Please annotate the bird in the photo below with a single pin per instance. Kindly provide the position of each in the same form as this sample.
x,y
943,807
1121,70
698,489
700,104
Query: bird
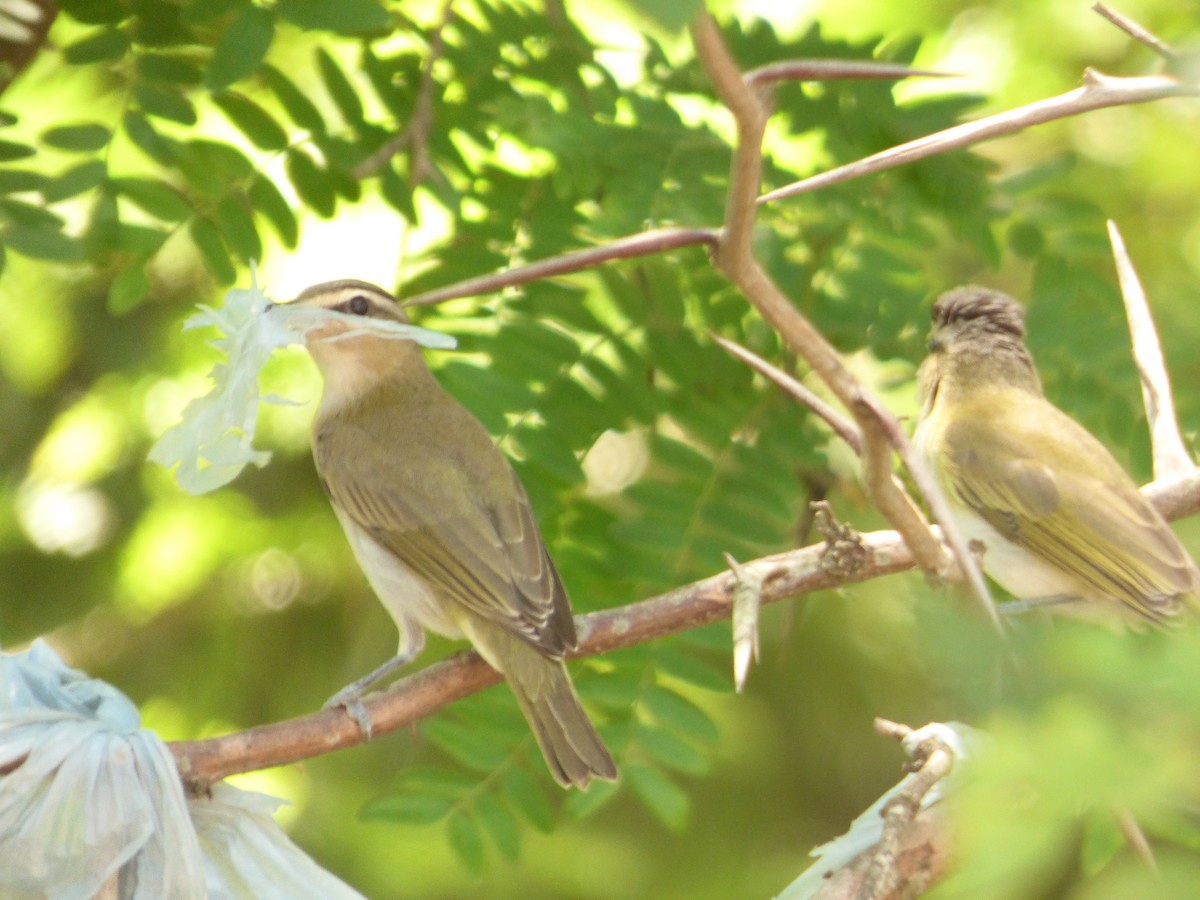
x,y
1060,523
440,523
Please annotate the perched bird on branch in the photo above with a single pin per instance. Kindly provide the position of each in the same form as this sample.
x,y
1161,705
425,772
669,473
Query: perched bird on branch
x,y
1060,522
441,525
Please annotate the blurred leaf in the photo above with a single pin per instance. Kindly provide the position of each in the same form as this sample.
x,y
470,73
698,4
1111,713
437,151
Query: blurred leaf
x,y
500,825
679,664
128,290
10,150
266,199
147,139
671,752
101,46
15,181
94,12
84,138
201,11
676,711
311,183
74,181
302,110
241,48
344,17
207,239
465,744
524,793
674,16
669,802
237,227
343,93
168,69
165,104
154,197
252,120
42,242
408,808
466,841
28,215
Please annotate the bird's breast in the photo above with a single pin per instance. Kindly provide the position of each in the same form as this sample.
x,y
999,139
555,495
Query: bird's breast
x,y
405,595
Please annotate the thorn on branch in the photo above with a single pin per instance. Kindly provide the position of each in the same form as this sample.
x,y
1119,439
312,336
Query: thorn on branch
x,y
747,598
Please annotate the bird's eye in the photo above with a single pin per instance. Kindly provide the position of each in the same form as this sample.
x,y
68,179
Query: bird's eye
x,y
358,305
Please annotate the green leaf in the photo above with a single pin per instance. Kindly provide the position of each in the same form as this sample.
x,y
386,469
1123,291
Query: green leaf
x,y
397,193
101,46
237,227
480,752
252,120
500,824
241,48
11,150
28,215
207,239
165,103
343,93
84,177
344,16
128,290
409,807
94,12
266,199
676,711
17,181
148,140
664,798
311,183
685,667
302,110
197,12
671,752
212,166
155,197
169,70
672,15
42,243
524,793
85,138
466,841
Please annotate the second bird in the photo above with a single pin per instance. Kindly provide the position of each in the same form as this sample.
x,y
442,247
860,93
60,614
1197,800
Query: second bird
x,y
1061,522
440,523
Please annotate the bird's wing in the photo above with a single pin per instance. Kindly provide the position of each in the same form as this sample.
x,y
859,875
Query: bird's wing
x,y
490,559
1095,525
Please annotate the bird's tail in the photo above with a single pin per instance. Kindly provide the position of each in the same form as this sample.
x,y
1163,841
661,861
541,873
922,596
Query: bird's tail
x,y
569,742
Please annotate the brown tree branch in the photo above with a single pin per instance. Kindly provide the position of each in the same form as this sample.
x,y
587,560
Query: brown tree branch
x,y
647,243
735,258
1099,91
423,693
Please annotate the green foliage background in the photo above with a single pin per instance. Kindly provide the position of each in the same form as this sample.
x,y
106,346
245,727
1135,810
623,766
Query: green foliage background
x,y
153,149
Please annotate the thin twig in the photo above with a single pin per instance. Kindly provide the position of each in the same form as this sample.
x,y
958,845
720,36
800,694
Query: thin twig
x,y
834,70
841,425
1170,453
1138,32
1098,92
646,243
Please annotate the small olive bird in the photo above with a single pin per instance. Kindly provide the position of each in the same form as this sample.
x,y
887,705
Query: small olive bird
x,y
1061,523
440,523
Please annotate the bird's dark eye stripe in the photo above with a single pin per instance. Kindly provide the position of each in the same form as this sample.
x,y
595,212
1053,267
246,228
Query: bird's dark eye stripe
x,y
358,305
